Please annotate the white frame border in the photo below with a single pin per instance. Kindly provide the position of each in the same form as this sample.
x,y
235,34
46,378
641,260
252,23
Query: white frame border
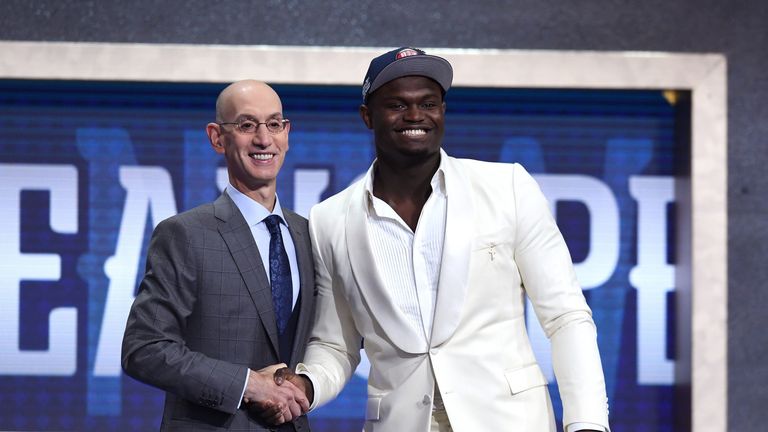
x,y
703,74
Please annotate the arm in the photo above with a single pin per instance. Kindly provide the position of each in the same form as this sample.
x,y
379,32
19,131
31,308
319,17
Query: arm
x,y
550,282
154,349
333,351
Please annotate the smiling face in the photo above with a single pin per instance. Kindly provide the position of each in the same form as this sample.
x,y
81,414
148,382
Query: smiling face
x,y
253,160
407,118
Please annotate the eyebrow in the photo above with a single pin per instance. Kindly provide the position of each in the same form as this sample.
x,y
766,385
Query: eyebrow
x,y
276,114
389,99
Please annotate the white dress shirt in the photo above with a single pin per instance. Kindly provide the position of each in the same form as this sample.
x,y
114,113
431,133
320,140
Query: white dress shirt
x,y
408,262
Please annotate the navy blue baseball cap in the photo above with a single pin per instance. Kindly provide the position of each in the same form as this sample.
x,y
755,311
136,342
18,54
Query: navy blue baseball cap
x,y
406,61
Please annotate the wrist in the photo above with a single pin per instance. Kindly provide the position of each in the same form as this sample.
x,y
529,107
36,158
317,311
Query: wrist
x,y
309,389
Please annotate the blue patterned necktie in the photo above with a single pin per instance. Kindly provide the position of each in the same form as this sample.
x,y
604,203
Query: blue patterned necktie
x,y
279,273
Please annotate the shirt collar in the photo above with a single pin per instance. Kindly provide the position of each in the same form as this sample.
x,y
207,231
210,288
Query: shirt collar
x,y
253,212
437,182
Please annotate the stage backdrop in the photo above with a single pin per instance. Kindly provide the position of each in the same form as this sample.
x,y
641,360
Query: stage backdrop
x,y
88,169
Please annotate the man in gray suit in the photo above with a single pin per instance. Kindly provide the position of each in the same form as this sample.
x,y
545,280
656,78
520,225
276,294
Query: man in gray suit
x,y
228,293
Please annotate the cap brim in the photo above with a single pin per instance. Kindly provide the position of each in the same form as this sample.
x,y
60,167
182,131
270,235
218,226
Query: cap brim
x,y
436,68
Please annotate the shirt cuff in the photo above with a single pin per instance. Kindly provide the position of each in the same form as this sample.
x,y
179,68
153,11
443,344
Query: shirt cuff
x,y
573,427
247,376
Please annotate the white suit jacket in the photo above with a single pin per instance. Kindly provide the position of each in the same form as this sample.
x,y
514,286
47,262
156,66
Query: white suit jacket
x,y
501,244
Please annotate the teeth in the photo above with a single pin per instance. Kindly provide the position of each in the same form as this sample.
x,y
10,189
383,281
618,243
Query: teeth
x,y
262,156
414,132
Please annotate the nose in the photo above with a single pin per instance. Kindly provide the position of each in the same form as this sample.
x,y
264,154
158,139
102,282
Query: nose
x,y
413,113
261,137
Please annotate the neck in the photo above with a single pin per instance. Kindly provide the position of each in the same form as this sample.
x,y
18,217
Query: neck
x,y
405,175
402,183
264,194
405,188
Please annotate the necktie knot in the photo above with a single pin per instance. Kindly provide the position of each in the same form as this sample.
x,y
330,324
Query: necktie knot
x,y
273,224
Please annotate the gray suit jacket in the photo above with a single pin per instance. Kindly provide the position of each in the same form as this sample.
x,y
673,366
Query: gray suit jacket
x,y
203,316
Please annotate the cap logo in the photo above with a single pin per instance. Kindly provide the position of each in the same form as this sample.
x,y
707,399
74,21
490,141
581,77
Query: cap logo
x,y
406,53
366,85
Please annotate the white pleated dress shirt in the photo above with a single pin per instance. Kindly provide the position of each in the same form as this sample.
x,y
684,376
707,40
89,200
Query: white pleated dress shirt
x,y
408,262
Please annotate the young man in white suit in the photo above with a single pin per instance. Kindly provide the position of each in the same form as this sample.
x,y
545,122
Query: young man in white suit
x,y
428,259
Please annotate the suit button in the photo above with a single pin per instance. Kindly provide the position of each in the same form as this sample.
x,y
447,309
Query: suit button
x,y
433,351
426,400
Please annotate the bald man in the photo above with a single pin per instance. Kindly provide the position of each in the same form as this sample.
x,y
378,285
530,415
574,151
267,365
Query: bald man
x,y
228,292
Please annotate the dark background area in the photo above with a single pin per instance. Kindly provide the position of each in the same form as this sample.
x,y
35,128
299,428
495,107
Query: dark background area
x,y
735,28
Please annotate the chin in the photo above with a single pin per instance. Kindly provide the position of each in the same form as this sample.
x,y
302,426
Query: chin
x,y
421,151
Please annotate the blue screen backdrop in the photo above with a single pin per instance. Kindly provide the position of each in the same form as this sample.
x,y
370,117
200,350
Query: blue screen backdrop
x,y
88,168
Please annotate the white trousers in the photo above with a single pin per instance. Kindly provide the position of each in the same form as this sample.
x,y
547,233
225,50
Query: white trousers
x,y
439,422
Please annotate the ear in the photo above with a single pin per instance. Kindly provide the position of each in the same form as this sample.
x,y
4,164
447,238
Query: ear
x,y
365,114
213,131
287,131
444,107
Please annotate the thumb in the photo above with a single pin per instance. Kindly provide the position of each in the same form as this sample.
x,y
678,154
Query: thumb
x,y
281,375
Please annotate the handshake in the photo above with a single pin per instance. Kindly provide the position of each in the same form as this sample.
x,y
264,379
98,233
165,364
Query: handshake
x,y
277,395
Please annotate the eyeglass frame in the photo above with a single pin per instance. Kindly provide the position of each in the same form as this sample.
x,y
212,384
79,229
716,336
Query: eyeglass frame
x,y
283,123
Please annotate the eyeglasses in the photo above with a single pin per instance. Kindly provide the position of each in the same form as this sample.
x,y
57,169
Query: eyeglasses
x,y
274,126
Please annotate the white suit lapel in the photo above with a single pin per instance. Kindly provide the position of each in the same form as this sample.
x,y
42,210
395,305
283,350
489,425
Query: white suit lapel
x,y
457,245
385,312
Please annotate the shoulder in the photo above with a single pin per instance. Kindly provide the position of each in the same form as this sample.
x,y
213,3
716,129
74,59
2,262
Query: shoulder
x,y
495,183
330,219
294,219
191,221
337,204
483,172
482,168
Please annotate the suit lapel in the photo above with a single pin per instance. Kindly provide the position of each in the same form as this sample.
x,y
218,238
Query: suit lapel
x,y
239,239
457,245
385,312
300,235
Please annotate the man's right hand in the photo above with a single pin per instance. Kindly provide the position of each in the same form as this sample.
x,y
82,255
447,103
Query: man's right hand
x,y
275,404
286,375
